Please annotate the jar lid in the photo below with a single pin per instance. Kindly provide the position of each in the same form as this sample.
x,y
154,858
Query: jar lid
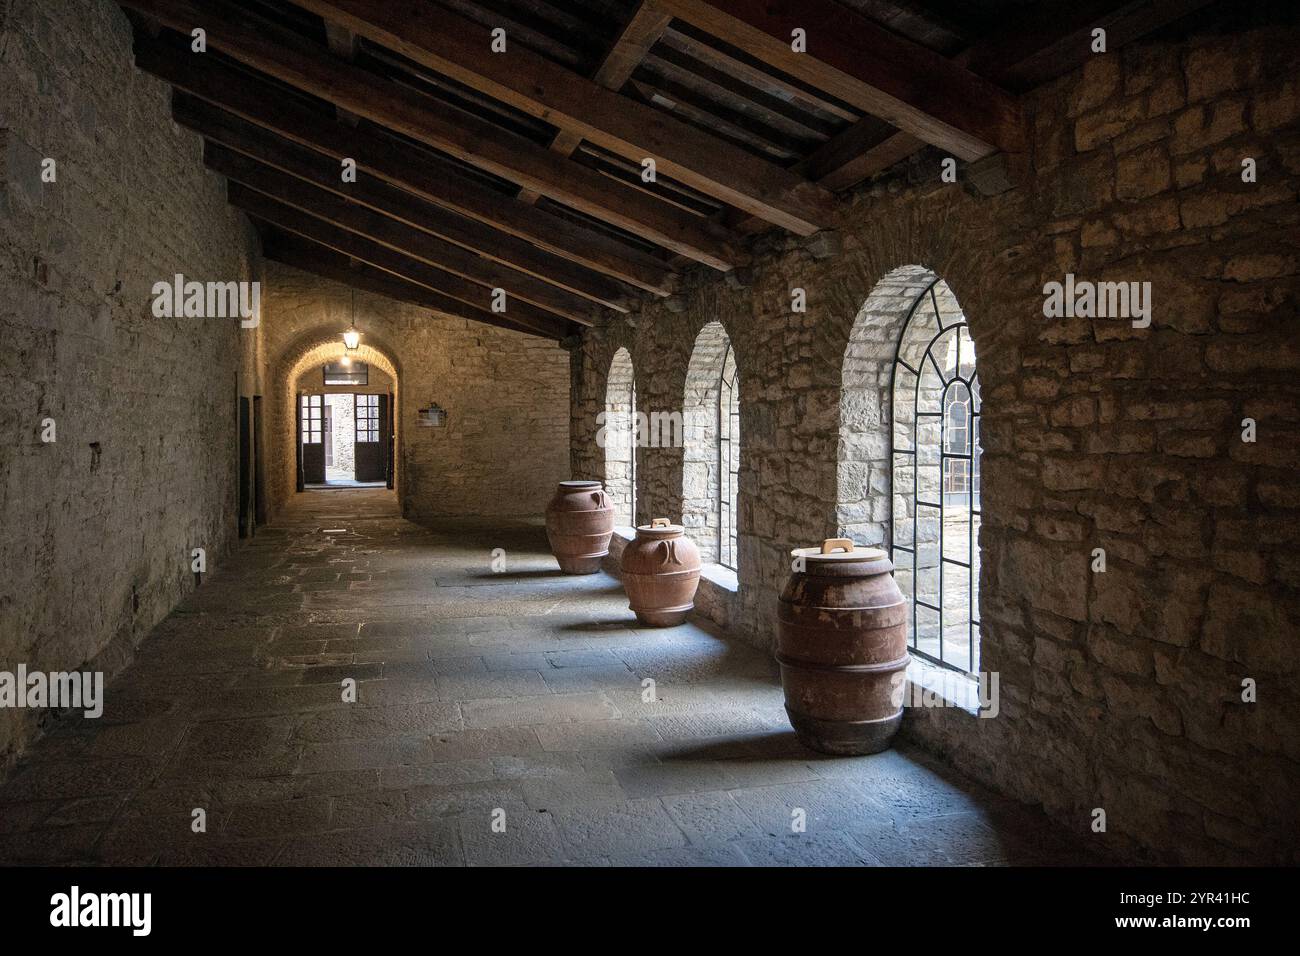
x,y
660,528
838,549
579,484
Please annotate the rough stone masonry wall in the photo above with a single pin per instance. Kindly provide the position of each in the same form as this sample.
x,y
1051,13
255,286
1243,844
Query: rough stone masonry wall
x,y
96,528
506,396
1119,690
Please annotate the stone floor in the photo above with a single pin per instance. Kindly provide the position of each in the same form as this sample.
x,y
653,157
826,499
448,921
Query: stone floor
x,y
513,696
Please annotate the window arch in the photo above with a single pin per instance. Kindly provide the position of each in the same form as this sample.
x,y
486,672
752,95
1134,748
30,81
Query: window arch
x,y
711,452
935,477
620,437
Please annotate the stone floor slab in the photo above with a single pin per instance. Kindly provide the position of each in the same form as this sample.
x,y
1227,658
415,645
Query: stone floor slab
x,y
522,694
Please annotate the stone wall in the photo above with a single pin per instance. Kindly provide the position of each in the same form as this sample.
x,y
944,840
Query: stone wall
x,y
1120,690
505,393
98,525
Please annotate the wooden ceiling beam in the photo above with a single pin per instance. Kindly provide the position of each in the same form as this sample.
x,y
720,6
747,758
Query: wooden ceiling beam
x,y
472,299
409,167
1044,45
1050,41
299,253
218,126
458,133
461,49
864,149
641,33
484,274
856,60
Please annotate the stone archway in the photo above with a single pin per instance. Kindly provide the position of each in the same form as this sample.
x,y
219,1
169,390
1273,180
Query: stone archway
x,y
313,350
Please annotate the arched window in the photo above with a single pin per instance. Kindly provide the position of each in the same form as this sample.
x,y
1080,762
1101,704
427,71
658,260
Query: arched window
x,y
936,478
711,452
620,438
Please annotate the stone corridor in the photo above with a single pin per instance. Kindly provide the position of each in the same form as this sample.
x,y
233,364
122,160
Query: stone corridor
x,y
478,691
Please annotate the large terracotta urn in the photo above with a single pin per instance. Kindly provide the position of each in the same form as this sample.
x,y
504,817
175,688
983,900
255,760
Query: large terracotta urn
x,y
842,646
661,570
579,524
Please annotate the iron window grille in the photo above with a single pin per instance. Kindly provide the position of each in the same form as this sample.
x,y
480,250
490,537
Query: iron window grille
x,y
728,458
632,438
944,433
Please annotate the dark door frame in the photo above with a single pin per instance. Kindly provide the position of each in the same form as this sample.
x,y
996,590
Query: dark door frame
x,y
297,417
245,419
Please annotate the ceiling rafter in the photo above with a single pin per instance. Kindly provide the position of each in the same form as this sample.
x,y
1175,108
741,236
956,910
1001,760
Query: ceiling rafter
x,y
309,256
1046,44
456,132
218,126
400,164
919,91
270,209
641,32
399,236
461,49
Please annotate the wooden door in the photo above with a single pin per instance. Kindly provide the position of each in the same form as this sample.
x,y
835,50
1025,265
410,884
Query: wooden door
x,y
371,455
259,468
311,445
390,436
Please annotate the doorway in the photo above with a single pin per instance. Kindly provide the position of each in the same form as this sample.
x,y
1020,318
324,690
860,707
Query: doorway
x,y
345,438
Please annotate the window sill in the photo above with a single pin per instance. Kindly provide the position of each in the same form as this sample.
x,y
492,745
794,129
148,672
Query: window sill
x,y
954,689
721,577
626,532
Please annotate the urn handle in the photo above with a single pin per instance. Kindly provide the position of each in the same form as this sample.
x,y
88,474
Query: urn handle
x,y
659,522
599,498
668,553
837,544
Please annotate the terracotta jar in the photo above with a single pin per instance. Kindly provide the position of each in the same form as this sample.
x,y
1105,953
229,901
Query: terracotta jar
x,y
842,646
579,523
661,570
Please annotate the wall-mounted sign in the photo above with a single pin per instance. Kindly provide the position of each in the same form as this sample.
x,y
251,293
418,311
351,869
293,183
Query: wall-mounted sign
x,y
434,416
